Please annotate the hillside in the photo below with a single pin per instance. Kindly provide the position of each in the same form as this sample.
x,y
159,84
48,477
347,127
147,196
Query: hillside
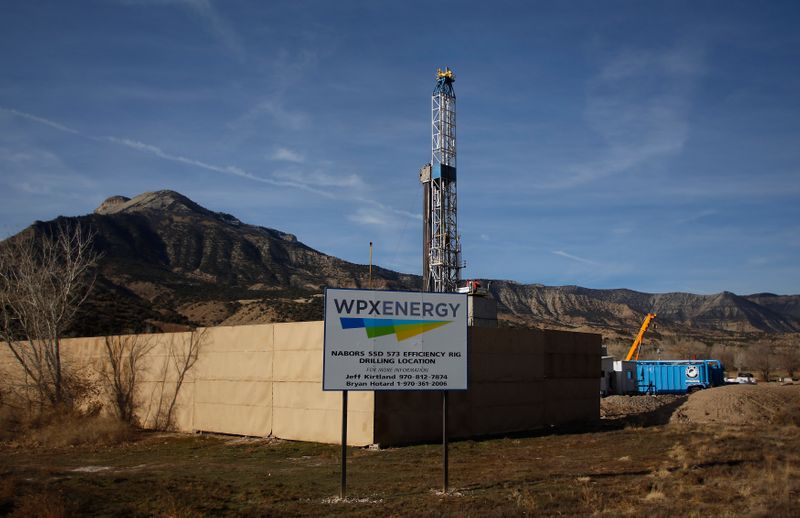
x,y
170,263
624,309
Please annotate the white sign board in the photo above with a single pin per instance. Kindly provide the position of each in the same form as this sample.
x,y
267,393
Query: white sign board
x,y
393,340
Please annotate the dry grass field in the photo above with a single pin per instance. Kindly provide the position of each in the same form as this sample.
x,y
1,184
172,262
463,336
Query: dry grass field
x,y
625,466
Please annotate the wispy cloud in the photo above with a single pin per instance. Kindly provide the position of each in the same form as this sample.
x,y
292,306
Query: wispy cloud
x,y
160,153
41,120
763,184
390,210
319,179
276,110
622,230
760,261
216,24
31,157
227,169
573,257
142,92
317,182
370,216
372,212
638,104
38,171
283,154
54,183
697,216
219,26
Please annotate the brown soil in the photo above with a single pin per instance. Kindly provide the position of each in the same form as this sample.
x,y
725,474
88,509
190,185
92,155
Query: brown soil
x,y
613,407
741,405
207,313
147,290
251,312
729,405
635,471
640,410
703,464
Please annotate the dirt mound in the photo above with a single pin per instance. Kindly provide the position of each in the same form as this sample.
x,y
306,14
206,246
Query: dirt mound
x,y
742,405
642,410
613,407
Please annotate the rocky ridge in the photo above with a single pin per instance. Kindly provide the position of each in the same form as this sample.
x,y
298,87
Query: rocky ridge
x,y
170,263
624,308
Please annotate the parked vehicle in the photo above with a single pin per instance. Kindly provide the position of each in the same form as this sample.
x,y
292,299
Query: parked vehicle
x,y
743,378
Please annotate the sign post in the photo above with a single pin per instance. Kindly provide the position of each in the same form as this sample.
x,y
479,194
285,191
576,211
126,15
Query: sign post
x,y
394,340
343,485
445,460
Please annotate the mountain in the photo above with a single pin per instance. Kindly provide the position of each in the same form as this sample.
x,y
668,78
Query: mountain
x,y
624,309
168,234
168,263
788,305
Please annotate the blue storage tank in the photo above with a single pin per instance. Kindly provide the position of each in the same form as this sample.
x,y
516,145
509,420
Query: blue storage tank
x,y
677,376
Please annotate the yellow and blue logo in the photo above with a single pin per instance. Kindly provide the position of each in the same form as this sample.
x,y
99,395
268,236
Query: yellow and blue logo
x,y
402,329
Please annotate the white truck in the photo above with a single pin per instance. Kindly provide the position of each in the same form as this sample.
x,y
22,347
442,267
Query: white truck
x,y
743,378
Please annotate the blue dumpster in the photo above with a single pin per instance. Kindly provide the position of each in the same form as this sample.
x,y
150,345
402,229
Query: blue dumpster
x,y
677,376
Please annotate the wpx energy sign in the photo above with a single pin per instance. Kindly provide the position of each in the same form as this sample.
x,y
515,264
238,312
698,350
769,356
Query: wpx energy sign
x,y
392,340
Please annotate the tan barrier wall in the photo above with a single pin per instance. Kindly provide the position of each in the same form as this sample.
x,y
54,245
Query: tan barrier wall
x,y
303,411
267,380
519,380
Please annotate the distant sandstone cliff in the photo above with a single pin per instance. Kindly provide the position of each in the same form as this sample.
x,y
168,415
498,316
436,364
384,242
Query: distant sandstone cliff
x,y
624,308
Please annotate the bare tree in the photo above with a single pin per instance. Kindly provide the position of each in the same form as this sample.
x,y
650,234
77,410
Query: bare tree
x,y
789,359
761,358
724,354
687,348
44,278
181,356
121,371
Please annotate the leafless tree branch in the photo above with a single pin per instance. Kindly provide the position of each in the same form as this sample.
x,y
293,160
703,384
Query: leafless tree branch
x,y
182,355
43,281
121,372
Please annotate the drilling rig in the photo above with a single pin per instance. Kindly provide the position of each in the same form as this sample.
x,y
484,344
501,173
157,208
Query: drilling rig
x,y
441,243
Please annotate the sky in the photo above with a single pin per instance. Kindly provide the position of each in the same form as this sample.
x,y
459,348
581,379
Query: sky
x,y
645,145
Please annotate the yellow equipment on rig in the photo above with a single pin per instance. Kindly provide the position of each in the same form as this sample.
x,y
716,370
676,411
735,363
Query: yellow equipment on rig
x,y
636,343
446,73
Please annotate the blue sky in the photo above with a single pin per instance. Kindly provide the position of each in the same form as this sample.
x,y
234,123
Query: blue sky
x,y
646,145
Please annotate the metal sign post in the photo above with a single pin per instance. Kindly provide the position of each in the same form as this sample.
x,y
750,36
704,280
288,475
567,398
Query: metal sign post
x,y
343,487
445,460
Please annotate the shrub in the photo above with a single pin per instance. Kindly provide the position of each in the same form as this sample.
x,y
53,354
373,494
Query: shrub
x,y
61,428
42,505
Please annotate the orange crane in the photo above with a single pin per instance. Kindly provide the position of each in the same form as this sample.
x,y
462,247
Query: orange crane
x,y
636,343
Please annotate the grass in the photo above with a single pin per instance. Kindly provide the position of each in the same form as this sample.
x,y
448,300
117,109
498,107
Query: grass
x,y
59,429
656,470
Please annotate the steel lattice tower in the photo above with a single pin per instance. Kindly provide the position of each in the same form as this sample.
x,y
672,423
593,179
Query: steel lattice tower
x,y
441,262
